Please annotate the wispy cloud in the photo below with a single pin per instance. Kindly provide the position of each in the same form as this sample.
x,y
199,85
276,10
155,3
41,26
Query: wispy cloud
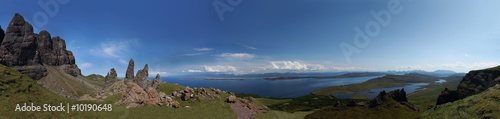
x,y
194,54
237,56
248,47
203,49
153,73
113,48
192,70
121,61
86,65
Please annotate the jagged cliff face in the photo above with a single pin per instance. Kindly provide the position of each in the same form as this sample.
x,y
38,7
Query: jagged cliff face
x,y
2,34
478,81
473,83
28,52
43,58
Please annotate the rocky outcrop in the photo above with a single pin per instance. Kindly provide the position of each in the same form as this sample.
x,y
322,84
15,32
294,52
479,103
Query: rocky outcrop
x,y
385,98
142,78
447,96
136,96
111,78
473,83
246,108
28,52
130,70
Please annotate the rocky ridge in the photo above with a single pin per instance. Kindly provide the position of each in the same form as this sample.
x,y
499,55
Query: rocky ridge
x,y
473,83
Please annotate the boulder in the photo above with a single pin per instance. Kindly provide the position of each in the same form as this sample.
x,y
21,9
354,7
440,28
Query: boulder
x,y
231,99
186,96
218,91
175,104
188,90
174,93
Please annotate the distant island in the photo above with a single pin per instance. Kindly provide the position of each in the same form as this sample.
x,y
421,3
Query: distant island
x,y
347,75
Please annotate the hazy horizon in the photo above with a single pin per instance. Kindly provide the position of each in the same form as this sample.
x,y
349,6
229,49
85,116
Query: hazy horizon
x,y
184,37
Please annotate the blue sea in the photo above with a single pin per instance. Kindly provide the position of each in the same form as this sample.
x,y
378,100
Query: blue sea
x,y
281,88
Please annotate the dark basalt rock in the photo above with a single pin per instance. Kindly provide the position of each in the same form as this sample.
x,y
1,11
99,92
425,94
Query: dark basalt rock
x,y
142,79
473,83
130,70
447,96
111,77
19,47
396,95
28,52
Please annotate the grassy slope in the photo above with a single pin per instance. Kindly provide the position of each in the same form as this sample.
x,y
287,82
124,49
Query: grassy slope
x,y
423,99
387,81
59,81
393,111
483,105
17,88
96,79
308,103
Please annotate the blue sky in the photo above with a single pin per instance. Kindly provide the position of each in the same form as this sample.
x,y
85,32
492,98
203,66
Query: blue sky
x,y
177,37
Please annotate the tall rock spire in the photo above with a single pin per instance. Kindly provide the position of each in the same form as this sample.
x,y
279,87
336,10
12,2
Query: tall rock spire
x,y
130,70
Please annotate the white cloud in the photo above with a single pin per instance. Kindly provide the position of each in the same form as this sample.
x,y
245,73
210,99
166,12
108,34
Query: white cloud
x,y
123,61
86,65
191,70
237,56
203,49
220,68
289,65
112,48
157,72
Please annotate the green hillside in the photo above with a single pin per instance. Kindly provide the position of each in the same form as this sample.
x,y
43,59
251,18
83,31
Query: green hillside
x,y
387,81
485,105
